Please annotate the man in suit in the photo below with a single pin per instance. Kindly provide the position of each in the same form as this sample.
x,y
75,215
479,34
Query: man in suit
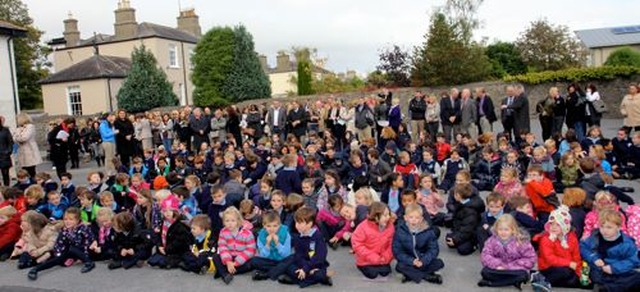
x,y
507,111
450,114
469,114
516,108
417,108
486,111
277,119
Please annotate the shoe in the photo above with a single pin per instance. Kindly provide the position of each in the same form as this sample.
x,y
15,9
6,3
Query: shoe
x,y
518,285
484,283
4,257
536,277
33,275
334,245
114,265
541,286
405,279
599,288
434,278
183,266
327,281
227,278
284,279
87,267
627,189
128,264
259,276
22,266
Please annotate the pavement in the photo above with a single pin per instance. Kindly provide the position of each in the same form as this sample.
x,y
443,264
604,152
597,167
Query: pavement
x,y
459,273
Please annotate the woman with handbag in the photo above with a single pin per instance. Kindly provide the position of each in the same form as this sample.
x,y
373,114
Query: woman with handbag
x,y
595,107
576,110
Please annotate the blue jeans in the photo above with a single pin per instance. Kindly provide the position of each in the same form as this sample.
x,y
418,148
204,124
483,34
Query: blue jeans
x,y
579,127
167,143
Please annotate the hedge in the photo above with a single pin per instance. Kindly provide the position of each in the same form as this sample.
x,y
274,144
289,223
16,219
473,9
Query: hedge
x,y
575,75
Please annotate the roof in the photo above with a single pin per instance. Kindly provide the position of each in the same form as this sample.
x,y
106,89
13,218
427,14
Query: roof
x,y
293,67
145,30
96,67
10,29
610,36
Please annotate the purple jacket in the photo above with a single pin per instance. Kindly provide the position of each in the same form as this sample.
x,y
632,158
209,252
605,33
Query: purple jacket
x,y
512,256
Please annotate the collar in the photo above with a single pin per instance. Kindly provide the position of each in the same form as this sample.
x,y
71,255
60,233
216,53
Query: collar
x,y
312,231
495,216
465,201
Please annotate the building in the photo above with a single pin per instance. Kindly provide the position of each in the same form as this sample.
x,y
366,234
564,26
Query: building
x,y
601,42
8,80
284,72
87,73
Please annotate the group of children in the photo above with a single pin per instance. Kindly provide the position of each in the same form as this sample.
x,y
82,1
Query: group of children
x,y
276,210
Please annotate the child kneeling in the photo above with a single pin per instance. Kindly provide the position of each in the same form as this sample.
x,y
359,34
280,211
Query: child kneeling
x,y
415,247
274,249
371,243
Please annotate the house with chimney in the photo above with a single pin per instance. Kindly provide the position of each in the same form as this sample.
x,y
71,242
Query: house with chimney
x,y
285,71
88,72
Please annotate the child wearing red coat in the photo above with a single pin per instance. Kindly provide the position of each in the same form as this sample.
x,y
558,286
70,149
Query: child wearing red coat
x,y
10,231
559,251
371,242
540,191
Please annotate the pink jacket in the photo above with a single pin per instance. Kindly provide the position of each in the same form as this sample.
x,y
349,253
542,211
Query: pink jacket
x,y
511,190
433,202
332,219
372,246
512,256
591,223
633,222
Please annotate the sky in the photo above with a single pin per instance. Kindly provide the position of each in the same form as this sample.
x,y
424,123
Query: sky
x,y
348,33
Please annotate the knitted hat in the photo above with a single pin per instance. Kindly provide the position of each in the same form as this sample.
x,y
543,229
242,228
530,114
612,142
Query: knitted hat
x,y
160,182
562,217
170,203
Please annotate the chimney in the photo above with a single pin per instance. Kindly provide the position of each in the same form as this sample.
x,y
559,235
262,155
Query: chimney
x,y
263,63
284,64
190,22
126,26
71,33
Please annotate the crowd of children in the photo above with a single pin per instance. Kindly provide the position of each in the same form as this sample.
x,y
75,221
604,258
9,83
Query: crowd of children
x,y
276,209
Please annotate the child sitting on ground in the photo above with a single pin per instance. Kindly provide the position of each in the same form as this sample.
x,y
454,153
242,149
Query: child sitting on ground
x,y
495,209
200,260
466,220
574,198
236,247
175,238
371,243
523,213
509,185
330,222
604,201
132,243
103,247
55,207
274,249
38,239
430,198
541,193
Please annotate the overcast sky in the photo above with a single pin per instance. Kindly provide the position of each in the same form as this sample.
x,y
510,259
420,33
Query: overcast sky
x,y
347,32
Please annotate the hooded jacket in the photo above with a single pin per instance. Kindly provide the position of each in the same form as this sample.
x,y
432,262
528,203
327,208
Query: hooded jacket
x,y
372,246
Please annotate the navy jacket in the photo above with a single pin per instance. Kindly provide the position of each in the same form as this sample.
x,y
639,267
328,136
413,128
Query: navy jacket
x,y
408,245
288,181
310,251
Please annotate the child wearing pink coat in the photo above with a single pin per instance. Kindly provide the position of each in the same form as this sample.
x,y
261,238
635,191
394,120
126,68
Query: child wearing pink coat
x,y
371,242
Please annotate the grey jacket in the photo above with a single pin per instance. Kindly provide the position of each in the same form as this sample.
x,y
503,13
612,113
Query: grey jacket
x,y
469,112
218,128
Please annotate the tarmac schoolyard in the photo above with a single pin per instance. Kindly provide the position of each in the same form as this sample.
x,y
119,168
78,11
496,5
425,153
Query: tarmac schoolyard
x,y
459,274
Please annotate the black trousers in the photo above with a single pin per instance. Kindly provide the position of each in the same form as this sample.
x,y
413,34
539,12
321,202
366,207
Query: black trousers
x,y
310,279
465,248
6,179
72,253
558,122
221,269
417,274
372,272
561,277
272,268
7,249
130,260
329,231
432,129
502,278
629,281
629,129
61,167
546,123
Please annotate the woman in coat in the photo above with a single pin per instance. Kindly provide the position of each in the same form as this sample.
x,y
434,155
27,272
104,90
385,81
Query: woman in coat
x,y
28,152
124,138
576,110
630,109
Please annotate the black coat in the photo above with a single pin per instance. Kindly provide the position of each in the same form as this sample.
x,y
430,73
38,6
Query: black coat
x,y
297,115
448,110
139,240
6,147
179,241
466,220
487,108
575,108
59,150
233,127
124,146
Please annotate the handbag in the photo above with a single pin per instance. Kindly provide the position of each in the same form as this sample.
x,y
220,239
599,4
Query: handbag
x,y
599,106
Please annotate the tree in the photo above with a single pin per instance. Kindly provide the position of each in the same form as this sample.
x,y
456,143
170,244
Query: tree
x,y
213,62
377,79
146,86
30,55
305,71
505,59
331,83
545,46
247,79
462,15
625,56
394,62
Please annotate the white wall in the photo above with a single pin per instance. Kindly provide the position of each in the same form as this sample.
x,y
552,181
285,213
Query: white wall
x,y
7,108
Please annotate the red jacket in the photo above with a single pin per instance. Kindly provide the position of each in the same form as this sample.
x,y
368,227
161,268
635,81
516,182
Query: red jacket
x,y
537,191
10,231
443,151
552,254
372,246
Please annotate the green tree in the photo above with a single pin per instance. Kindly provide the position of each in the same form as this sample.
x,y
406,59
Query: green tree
x,y
377,79
394,62
213,62
246,80
305,71
545,46
331,83
30,55
146,86
505,59
625,56
463,17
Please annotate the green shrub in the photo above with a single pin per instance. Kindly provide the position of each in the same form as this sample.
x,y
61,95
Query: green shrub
x,y
575,75
625,56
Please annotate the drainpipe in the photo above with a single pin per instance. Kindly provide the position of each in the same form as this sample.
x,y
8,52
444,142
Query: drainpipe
x,y
14,83
109,92
184,75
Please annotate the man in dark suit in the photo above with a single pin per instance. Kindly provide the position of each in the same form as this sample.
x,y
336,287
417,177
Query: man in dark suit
x,y
507,112
450,114
486,111
515,109
276,119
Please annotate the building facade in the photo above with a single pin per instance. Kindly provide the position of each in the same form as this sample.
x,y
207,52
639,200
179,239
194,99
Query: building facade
x,y
8,80
601,42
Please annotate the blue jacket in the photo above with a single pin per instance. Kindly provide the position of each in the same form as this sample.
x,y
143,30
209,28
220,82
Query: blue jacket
x,y
143,171
288,181
106,132
56,212
310,251
622,258
273,252
408,245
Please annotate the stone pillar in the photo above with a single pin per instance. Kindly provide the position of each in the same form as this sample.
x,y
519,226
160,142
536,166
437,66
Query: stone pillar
x,y
71,33
190,22
125,26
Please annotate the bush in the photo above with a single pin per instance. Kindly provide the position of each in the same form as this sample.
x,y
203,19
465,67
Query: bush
x,y
575,75
626,56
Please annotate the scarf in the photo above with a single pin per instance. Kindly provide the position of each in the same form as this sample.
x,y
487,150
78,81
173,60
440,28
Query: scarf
x,y
103,233
165,229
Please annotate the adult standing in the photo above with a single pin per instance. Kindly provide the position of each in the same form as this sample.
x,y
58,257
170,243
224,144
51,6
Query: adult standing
x,y
364,120
576,110
507,112
233,124
6,148
108,135
469,114
432,117
395,115
486,111
630,109
339,125
559,111
74,146
183,129
277,119
58,139
124,137
25,135
254,123
142,133
450,114
521,107
297,119
166,131
218,127
592,116
417,109
386,96
200,128
544,109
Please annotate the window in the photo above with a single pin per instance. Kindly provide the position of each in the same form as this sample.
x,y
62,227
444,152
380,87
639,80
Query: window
x,y
173,56
75,100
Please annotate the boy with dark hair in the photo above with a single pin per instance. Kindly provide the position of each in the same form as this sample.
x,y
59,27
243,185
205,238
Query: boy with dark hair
x,y
67,189
466,219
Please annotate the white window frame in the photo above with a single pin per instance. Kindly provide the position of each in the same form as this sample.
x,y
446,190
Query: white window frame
x,y
73,91
173,51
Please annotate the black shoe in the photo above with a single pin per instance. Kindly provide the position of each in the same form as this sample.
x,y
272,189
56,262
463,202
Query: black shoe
x,y
227,278
433,278
87,267
22,266
334,245
599,288
4,257
519,285
327,281
284,279
128,264
484,283
183,266
259,276
405,279
114,265
33,274
627,189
